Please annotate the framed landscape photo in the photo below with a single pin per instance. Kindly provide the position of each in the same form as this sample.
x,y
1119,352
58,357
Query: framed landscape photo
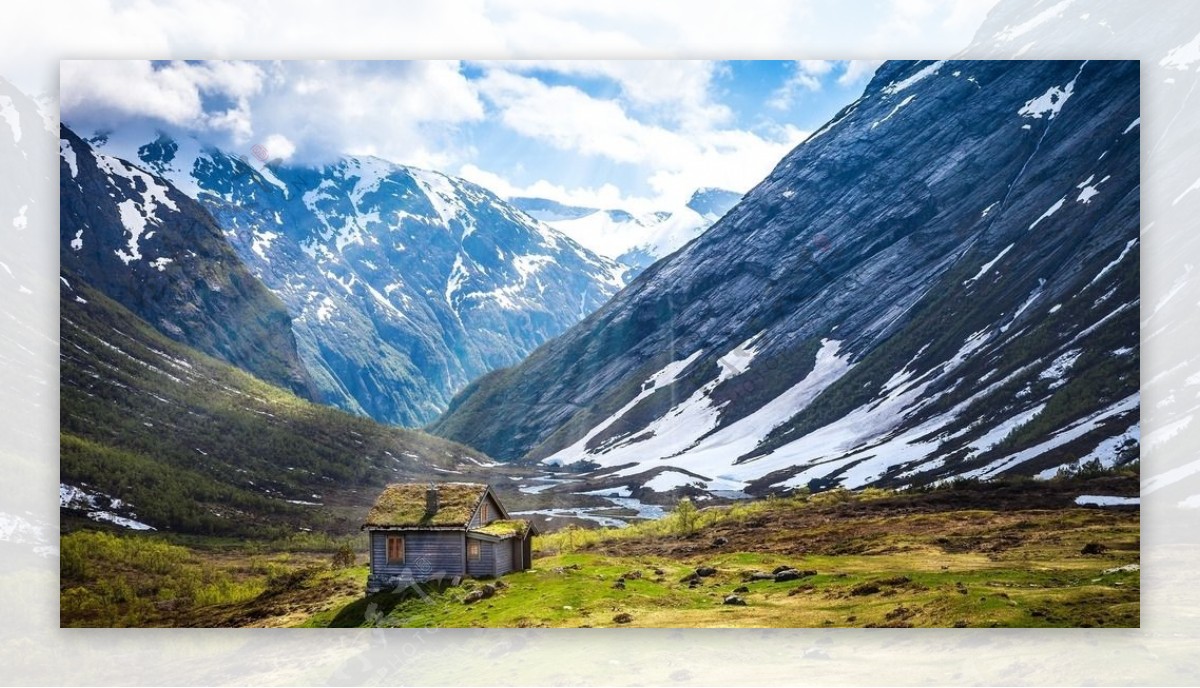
x,y
810,343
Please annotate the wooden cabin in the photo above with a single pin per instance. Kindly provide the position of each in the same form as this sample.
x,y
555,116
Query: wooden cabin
x,y
430,531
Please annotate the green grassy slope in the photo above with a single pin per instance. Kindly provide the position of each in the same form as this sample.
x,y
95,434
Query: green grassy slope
x,y
971,555
195,445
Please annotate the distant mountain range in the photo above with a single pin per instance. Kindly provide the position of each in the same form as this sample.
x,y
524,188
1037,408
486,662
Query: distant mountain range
x,y
940,282
401,284
634,241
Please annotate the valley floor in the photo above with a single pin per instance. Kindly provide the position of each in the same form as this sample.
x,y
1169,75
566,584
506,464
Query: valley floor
x,y
979,556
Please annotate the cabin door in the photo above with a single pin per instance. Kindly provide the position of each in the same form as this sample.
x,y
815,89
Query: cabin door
x,y
518,555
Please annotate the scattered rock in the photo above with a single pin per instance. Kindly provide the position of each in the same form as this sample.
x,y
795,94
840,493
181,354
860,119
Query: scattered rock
x,y
792,574
473,597
1093,548
623,618
695,582
864,589
735,600
1040,612
781,567
692,577
705,571
898,613
500,585
720,541
757,575
659,572
741,588
896,580
620,584
633,575
488,590
961,623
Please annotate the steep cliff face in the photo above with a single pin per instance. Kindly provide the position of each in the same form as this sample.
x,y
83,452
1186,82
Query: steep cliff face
x,y
403,284
136,238
941,281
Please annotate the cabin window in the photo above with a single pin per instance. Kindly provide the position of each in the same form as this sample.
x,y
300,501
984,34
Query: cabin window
x,y
473,550
484,513
395,549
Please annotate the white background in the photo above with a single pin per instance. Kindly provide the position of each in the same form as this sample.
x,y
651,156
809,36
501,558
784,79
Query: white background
x,y
1165,36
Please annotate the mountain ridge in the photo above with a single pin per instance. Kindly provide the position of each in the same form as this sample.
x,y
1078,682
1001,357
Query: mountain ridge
x,y
402,284
838,324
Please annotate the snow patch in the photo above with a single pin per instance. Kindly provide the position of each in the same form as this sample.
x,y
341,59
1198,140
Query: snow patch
x,y
1089,189
1106,500
897,86
669,480
896,109
1049,211
988,265
1105,270
67,153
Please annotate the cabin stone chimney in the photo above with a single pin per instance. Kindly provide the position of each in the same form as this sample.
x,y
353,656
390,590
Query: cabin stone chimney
x,y
431,499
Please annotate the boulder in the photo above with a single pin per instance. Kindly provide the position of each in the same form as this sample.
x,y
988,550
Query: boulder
x,y
623,618
473,597
741,588
705,571
717,542
864,589
735,600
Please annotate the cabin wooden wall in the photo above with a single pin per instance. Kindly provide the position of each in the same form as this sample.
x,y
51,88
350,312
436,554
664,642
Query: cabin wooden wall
x,y
428,554
485,565
493,508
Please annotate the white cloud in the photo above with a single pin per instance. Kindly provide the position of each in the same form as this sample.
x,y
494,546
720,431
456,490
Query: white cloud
x,y
675,91
806,75
858,71
313,110
406,112
606,196
676,161
173,93
278,147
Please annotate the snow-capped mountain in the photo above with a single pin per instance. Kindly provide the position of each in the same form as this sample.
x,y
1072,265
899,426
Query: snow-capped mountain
x,y
941,281
146,245
403,284
633,240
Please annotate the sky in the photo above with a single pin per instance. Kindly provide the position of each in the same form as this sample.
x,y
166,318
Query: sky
x,y
636,135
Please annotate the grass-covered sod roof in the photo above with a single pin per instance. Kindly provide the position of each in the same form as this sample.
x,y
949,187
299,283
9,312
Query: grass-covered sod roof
x,y
504,528
403,505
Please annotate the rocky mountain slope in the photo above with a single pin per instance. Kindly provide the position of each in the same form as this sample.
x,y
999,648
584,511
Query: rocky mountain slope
x,y
155,435
941,281
139,240
402,284
634,241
